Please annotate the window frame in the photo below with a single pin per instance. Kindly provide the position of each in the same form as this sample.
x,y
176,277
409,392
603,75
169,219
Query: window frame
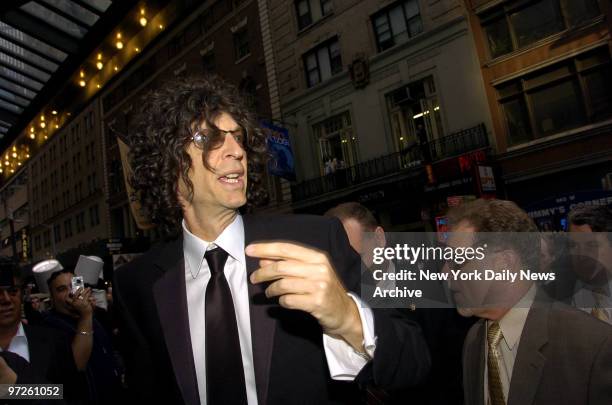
x,y
504,10
575,76
386,12
315,52
241,33
206,58
297,14
312,19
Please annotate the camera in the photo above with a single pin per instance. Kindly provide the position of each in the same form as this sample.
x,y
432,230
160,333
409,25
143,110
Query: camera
x,y
77,283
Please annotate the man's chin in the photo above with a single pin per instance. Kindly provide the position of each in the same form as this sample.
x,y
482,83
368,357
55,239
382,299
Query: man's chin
x,y
465,312
236,203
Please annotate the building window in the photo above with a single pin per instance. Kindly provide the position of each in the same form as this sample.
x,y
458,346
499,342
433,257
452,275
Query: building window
x,y
536,21
323,62
57,232
80,222
578,12
68,228
208,61
416,121
241,44
47,238
309,11
518,24
337,143
94,215
396,24
567,95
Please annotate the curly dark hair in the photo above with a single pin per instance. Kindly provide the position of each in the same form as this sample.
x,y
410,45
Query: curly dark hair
x,y
158,154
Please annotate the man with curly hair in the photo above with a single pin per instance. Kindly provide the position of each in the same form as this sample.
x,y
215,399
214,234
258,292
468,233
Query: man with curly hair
x,y
242,309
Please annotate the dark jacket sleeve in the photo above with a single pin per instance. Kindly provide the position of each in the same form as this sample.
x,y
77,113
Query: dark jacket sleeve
x,y
26,375
401,358
132,344
63,369
600,387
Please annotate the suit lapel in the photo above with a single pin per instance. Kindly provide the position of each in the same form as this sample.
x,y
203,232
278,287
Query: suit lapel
x,y
263,325
170,296
530,360
474,365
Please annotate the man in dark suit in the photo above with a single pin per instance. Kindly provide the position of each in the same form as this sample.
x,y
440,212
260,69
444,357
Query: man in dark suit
x,y
31,354
584,269
526,348
444,330
239,309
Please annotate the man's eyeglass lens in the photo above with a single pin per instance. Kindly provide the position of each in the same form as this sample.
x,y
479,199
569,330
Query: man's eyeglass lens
x,y
217,137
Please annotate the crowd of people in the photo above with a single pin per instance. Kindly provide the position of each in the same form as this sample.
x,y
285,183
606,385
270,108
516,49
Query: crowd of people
x,y
70,343
237,308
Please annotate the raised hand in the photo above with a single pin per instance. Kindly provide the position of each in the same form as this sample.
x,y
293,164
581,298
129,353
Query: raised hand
x,y
304,279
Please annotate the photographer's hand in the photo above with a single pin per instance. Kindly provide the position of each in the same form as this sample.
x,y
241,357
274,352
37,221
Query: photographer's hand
x,y
81,304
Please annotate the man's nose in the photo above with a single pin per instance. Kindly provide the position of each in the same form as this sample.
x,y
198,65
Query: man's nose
x,y
4,296
449,279
232,148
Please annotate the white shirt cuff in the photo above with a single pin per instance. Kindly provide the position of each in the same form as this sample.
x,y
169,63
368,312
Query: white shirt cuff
x,y
343,361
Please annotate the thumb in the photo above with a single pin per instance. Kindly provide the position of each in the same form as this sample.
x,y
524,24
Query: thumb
x,y
7,375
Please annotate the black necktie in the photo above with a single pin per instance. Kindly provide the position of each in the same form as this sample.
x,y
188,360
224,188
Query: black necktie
x,y
224,371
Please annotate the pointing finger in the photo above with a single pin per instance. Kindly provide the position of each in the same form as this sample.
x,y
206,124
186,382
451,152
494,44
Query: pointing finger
x,y
287,268
285,251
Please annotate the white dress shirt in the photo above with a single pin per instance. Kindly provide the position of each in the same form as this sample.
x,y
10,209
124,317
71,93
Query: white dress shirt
x,y
511,325
19,344
343,361
587,297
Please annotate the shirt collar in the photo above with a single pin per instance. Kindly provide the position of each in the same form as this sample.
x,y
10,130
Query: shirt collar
x,y
606,288
513,322
231,240
20,331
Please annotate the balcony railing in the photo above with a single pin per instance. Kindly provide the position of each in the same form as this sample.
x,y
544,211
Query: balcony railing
x,y
452,145
459,143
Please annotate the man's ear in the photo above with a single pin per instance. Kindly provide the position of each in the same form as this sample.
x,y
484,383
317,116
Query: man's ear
x,y
379,237
507,260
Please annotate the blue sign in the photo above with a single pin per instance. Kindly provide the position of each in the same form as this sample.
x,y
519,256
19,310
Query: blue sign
x,y
551,214
279,146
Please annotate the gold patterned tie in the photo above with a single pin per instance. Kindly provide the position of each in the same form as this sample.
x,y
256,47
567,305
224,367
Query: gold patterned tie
x,y
598,310
496,393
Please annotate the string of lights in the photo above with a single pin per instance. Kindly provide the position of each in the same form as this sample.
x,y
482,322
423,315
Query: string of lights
x,y
97,70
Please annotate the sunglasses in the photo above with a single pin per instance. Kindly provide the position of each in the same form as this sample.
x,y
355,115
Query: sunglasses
x,y
216,137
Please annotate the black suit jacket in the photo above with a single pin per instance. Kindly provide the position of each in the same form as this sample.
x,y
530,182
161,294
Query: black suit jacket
x,y
564,357
289,360
51,362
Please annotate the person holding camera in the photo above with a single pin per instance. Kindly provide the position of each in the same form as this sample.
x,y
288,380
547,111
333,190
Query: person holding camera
x,y
31,354
72,313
